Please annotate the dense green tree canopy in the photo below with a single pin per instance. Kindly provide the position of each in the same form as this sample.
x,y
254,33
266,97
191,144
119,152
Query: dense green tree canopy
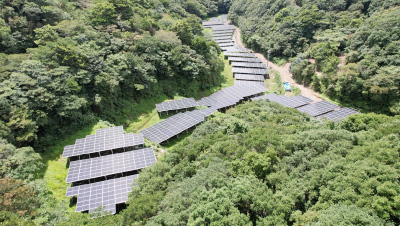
x,y
362,32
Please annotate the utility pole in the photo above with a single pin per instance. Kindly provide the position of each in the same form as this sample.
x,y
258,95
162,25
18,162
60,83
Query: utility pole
x,y
269,52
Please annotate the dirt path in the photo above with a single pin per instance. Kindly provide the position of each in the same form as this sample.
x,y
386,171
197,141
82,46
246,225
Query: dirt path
x,y
283,70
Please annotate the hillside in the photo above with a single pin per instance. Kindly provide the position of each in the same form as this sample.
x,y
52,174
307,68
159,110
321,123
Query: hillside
x,y
69,68
313,35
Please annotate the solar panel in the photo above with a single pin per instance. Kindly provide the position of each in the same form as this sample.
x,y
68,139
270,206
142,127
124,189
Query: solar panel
x,y
212,23
318,108
226,44
176,105
244,59
292,102
221,33
249,77
104,194
250,83
231,95
299,100
224,41
103,140
223,27
248,65
110,164
234,54
342,113
208,111
173,126
256,71
227,37
237,49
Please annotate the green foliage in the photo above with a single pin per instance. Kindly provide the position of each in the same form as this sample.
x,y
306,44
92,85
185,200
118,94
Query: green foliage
x,y
279,83
18,163
17,197
361,30
103,13
285,168
324,55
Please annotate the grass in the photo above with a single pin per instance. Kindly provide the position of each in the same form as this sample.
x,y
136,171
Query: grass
x,y
55,170
141,116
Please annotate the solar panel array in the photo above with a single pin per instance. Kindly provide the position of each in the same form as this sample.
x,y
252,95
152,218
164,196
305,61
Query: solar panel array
x,y
244,59
175,125
104,194
249,83
256,71
318,108
235,54
292,102
223,27
210,24
249,77
230,96
248,65
104,140
226,44
237,49
176,105
224,41
110,164
342,113
222,38
221,33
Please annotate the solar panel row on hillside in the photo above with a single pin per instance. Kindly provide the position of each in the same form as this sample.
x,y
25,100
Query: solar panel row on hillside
x,y
103,141
293,102
339,114
249,77
235,54
223,27
256,71
174,125
318,108
237,49
104,194
230,96
226,44
248,65
223,35
176,105
249,83
224,41
227,37
244,59
110,165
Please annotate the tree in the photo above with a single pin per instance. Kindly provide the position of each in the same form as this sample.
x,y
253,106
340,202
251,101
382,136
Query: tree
x,y
18,163
17,198
103,13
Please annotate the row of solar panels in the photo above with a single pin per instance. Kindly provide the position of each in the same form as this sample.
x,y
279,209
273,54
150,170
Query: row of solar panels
x,y
176,124
322,109
176,105
104,140
230,96
108,193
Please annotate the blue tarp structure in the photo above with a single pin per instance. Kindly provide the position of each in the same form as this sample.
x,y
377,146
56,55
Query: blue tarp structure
x,y
287,86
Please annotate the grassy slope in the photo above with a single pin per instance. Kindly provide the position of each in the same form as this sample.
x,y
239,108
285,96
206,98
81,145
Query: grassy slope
x,y
56,171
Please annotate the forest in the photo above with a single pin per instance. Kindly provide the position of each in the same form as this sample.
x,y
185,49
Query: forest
x,y
66,65
361,34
